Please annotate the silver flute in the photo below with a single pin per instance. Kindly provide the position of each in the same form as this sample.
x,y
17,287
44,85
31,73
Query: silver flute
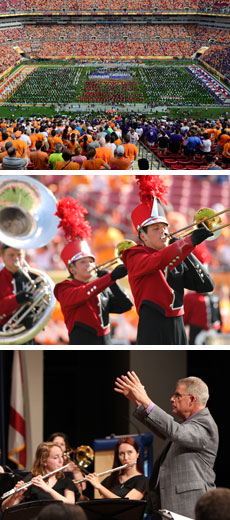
x,y
28,484
107,471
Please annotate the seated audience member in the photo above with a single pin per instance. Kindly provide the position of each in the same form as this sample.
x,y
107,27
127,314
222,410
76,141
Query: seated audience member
x,y
67,163
210,159
214,505
78,157
62,512
11,161
56,156
93,163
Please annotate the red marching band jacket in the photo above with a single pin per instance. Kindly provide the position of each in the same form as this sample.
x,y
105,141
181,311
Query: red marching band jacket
x,y
8,302
80,302
146,273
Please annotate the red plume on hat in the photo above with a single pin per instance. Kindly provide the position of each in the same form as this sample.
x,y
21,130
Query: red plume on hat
x,y
151,193
77,230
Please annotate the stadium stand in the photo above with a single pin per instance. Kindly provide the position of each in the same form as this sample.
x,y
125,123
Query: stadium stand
x,y
108,5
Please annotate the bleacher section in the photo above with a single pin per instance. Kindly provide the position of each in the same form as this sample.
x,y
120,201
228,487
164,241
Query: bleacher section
x,y
117,40
110,6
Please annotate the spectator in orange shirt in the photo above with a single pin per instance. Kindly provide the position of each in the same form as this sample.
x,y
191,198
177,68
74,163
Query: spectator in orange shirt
x,y
72,143
33,139
5,138
120,162
53,139
131,151
21,147
102,152
92,163
39,158
223,138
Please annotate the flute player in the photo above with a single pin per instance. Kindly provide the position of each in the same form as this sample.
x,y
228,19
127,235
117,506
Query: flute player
x,y
49,457
129,482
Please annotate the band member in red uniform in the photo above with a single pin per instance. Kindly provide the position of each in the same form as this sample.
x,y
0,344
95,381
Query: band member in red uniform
x,y
158,272
86,303
14,286
202,314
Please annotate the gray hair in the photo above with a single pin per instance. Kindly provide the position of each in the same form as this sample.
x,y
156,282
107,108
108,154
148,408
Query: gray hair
x,y
195,386
58,147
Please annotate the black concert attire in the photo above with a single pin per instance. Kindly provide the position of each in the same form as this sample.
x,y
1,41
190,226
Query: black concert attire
x,y
36,493
138,482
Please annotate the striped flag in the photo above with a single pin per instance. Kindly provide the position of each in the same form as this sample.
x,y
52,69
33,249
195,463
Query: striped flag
x,y
17,424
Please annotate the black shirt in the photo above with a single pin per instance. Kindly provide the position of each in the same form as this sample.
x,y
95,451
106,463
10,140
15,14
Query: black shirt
x,y
138,482
36,493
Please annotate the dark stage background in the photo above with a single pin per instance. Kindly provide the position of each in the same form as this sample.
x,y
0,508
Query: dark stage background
x,y
79,397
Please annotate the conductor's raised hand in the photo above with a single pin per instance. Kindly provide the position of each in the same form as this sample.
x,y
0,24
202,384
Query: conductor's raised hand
x,y
131,387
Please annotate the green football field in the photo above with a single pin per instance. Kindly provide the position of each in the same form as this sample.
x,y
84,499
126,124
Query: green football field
x,y
172,86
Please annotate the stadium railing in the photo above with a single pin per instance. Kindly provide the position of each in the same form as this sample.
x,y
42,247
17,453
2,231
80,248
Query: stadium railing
x,y
154,161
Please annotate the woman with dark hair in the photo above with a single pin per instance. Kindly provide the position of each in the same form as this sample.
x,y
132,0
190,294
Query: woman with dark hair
x,y
60,438
129,482
49,457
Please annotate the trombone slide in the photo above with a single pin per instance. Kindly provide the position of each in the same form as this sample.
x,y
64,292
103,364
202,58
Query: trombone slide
x,y
107,471
28,484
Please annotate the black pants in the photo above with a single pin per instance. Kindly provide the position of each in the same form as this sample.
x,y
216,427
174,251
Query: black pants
x,y
155,329
84,335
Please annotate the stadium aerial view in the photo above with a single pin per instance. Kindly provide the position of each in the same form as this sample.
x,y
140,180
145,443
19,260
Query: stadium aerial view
x,y
133,62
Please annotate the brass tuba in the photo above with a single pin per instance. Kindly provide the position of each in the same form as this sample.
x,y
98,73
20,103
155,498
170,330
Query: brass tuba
x,y
27,221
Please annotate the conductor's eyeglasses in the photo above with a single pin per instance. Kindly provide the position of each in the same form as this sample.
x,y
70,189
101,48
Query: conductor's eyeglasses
x,y
179,396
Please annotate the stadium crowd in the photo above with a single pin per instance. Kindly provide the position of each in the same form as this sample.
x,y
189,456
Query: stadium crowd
x,y
120,39
109,200
111,142
108,5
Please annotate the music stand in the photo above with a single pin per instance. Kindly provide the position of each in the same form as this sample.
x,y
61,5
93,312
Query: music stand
x,y
7,482
27,510
114,509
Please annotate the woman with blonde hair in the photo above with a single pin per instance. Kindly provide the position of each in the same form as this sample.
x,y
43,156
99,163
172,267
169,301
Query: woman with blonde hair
x,y
48,458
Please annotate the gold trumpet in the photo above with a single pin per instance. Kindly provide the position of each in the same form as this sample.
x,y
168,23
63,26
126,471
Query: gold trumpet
x,y
209,218
119,249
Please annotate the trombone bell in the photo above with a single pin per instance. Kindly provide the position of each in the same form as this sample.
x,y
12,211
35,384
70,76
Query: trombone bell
x,y
84,456
211,219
